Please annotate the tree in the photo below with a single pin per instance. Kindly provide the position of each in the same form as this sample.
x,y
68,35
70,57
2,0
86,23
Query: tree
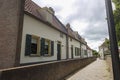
x,y
95,53
117,19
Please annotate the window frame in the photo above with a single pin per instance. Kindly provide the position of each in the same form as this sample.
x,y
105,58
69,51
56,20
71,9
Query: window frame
x,y
38,46
49,47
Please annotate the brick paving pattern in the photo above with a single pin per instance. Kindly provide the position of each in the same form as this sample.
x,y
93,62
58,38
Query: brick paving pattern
x,y
97,70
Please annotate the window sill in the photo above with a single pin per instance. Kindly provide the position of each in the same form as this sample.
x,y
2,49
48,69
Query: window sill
x,y
47,55
34,55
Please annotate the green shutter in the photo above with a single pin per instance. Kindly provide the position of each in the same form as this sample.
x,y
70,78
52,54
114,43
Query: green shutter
x,y
52,48
42,46
28,45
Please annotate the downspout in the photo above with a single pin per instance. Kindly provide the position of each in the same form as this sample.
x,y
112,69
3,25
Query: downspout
x,y
67,46
80,49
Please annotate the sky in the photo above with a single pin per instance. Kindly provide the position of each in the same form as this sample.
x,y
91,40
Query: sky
x,y
88,17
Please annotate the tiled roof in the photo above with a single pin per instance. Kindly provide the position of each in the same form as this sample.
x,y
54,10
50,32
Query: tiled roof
x,y
89,47
74,34
32,8
105,43
70,32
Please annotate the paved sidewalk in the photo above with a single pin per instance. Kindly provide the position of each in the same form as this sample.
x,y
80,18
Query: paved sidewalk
x,y
97,70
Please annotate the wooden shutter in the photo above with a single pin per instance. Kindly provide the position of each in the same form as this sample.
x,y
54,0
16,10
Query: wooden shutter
x,y
28,45
52,48
42,46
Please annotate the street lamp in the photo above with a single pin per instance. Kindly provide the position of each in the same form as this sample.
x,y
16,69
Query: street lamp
x,y
113,41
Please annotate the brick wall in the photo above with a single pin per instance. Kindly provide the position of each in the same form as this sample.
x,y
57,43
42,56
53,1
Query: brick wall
x,y
10,29
46,71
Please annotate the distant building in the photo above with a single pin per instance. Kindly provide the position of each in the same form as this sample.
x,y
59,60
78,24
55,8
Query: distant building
x,y
89,51
104,49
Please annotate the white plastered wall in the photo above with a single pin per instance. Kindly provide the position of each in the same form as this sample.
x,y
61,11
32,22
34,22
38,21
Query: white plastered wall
x,y
75,43
89,53
83,48
35,27
101,52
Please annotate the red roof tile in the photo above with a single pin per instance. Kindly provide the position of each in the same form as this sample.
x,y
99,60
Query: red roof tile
x,y
33,8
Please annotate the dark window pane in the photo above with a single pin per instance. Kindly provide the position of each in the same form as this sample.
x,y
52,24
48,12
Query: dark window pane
x,y
33,48
46,49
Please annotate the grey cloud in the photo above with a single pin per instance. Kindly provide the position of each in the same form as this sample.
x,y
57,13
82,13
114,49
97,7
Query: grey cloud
x,y
96,32
57,8
92,12
89,10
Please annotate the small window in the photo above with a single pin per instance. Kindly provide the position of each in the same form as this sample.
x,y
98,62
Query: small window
x,y
32,45
47,47
61,34
38,47
85,52
77,51
35,47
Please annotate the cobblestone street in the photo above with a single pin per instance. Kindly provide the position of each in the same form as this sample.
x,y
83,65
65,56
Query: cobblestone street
x,y
97,70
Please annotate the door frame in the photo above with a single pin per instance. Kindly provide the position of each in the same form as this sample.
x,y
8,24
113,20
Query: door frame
x,y
59,53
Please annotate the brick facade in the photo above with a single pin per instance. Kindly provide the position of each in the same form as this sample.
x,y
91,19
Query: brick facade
x,y
10,29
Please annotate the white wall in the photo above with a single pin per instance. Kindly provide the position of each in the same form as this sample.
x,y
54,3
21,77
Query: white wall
x,y
75,43
33,26
101,52
83,48
89,53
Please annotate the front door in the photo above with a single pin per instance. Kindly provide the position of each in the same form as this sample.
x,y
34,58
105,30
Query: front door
x,y
58,51
72,51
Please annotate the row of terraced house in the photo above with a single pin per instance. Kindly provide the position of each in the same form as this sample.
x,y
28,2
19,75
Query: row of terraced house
x,y
45,38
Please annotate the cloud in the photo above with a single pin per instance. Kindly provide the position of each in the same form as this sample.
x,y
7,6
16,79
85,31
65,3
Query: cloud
x,y
96,31
88,10
92,13
85,16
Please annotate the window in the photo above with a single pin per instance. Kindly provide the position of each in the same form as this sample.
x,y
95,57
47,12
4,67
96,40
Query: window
x,y
47,47
77,51
32,45
38,47
85,52
61,34
35,48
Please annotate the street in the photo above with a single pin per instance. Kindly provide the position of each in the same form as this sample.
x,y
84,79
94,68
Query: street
x,y
97,70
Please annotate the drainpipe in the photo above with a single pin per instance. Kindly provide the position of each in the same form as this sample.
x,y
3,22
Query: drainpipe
x,y
67,41
80,49
67,46
113,41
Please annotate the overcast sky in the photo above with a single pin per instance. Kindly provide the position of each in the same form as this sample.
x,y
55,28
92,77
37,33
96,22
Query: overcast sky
x,y
85,16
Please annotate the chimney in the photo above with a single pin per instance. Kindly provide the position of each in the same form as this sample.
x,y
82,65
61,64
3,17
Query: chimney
x,y
47,13
67,25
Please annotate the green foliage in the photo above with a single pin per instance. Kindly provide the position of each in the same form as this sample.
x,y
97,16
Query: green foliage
x,y
107,41
95,52
117,18
119,43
